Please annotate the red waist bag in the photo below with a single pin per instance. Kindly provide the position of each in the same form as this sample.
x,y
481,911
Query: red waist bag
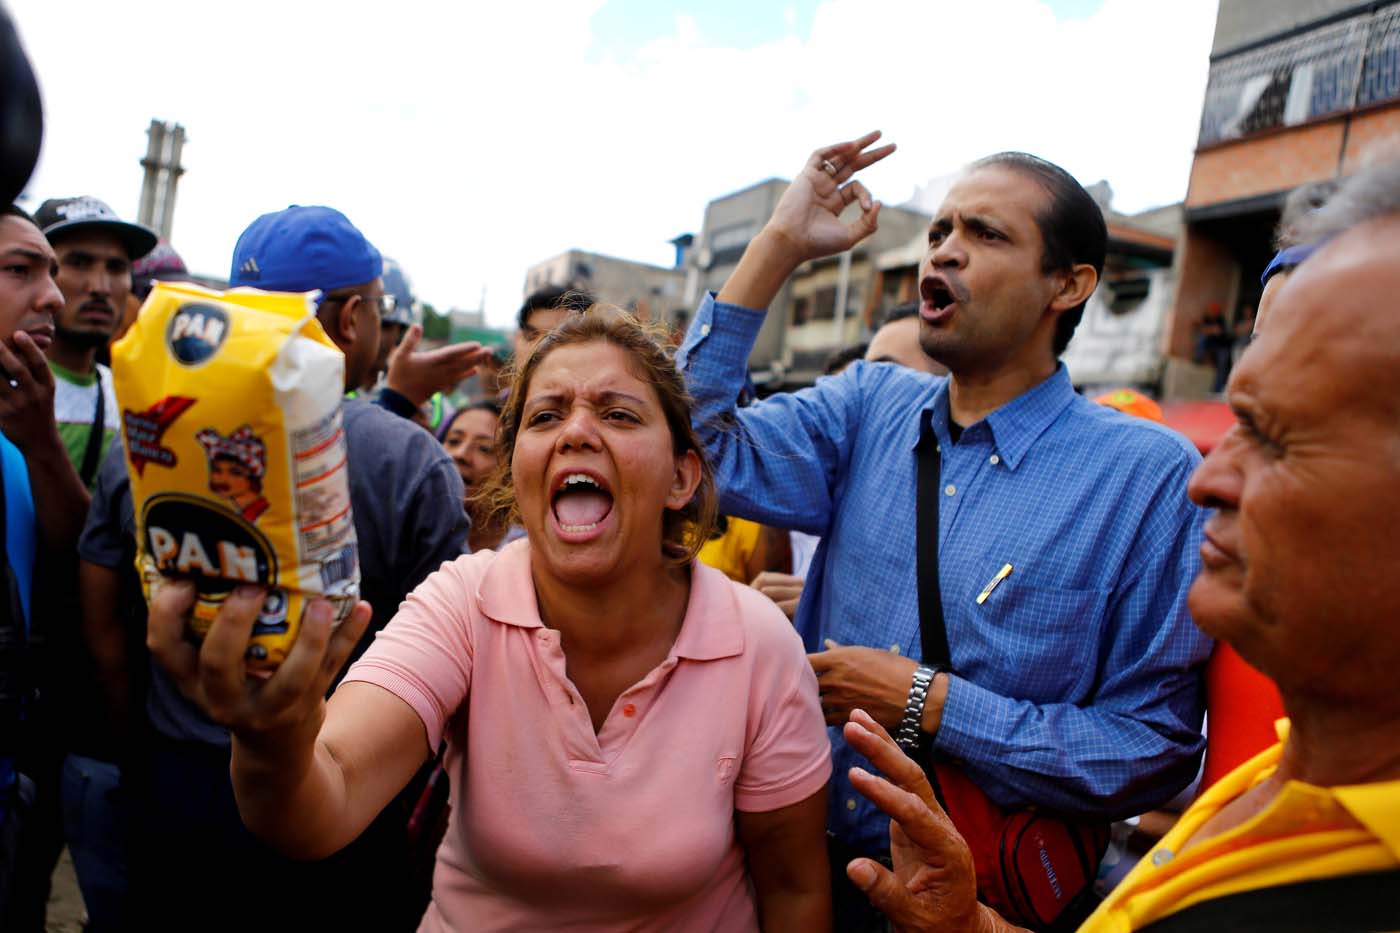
x,y
1034,868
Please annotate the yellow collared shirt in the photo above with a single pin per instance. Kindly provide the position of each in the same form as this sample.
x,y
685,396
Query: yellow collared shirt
x,y
730,553
1305,833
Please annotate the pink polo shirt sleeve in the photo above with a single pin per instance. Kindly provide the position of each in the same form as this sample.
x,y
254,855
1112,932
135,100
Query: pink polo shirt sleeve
x,y
424,655
788,756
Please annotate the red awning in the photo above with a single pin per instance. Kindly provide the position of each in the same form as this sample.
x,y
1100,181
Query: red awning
x,y
1203,423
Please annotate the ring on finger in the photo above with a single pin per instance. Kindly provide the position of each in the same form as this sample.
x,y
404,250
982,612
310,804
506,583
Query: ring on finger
x,y
829,167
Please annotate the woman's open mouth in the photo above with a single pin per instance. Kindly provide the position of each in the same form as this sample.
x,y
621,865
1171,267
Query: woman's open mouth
x,y
581,503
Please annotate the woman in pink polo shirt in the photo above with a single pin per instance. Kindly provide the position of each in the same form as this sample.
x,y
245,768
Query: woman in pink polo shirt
x,y
634,741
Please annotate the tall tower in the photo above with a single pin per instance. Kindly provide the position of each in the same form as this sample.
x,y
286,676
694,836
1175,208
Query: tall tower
x,y
165,141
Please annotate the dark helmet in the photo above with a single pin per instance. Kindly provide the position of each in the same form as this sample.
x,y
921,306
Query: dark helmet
x,y
396,284
21,114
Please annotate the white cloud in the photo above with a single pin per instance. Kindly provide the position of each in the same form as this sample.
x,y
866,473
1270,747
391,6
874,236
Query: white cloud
x,y
470,140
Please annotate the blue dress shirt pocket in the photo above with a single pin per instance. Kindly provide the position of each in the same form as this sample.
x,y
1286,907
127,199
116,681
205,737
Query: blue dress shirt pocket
x,y
1047,637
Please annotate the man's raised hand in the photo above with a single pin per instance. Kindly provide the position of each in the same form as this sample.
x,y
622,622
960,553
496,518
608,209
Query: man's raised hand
x,y
808,216
807,222
418,374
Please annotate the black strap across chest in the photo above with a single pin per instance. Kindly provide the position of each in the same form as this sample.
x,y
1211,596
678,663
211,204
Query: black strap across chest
x,y
92,453
933,630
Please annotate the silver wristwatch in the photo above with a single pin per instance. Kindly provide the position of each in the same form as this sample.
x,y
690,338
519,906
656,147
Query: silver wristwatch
x,y
910,730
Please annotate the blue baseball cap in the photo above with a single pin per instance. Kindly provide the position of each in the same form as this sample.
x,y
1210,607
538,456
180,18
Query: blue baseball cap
x,y
302,249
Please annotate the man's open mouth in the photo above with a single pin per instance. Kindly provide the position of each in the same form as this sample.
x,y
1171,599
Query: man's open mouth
x,y
581,502
939,293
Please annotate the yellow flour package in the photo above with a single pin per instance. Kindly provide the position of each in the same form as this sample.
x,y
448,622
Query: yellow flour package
x,y
230,407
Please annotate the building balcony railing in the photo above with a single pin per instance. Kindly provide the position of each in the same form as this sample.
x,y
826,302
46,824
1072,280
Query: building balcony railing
x,y
1334,67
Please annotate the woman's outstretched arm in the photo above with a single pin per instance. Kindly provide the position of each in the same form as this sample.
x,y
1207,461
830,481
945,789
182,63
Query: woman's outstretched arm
x,y
309,775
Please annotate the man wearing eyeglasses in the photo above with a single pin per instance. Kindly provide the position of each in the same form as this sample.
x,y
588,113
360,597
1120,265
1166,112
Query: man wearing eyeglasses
x,y
192,850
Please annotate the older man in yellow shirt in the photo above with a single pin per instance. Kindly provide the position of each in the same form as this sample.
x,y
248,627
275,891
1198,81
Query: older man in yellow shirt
x,y
1301,575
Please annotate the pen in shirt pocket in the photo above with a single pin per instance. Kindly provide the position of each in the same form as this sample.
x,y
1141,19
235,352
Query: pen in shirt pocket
x,y
993,583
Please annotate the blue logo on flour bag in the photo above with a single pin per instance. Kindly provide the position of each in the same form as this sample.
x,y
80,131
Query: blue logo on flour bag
x,y
196,332
217,549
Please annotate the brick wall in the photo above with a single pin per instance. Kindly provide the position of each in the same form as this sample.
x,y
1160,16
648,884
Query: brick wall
x,y
1265,164
1208,274
1376,132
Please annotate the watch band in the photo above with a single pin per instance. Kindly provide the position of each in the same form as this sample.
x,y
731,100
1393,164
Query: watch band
x,y
910,731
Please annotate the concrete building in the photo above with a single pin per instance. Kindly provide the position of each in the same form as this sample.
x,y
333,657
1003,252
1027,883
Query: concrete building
x,y
651,292
1119,341
821,308
730,223
833,299
1299,91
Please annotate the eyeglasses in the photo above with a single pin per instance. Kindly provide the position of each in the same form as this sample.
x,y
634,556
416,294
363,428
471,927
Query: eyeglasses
x,y
384,304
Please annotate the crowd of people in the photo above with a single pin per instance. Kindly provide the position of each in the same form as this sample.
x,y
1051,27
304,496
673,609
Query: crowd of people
x,y
637,650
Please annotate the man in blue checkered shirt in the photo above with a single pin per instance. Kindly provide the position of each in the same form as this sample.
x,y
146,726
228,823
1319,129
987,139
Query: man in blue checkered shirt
x,y
1066,542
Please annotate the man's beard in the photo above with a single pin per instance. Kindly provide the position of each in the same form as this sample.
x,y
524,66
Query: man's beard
x,y
81,339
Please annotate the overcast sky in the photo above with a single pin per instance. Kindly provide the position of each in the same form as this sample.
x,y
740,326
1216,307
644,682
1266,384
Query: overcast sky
x,y
470,140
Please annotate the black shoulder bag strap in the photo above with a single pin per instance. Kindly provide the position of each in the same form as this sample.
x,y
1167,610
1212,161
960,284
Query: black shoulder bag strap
x,y
933,631
93,452
1366,903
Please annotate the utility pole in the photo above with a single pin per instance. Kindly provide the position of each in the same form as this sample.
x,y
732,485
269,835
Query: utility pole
x,y
843,290
165,142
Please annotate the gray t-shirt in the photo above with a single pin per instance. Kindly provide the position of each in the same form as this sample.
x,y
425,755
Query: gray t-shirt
x,y
406,496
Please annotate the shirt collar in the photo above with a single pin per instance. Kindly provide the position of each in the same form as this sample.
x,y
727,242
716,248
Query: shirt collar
x,y
712,627
1016,425
1375,806
76,378
506,592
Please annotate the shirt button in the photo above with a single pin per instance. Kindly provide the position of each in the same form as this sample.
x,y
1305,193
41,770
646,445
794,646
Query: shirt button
x,y
704,330
950,489
894,649
995,460
629,710
1161,856
850,803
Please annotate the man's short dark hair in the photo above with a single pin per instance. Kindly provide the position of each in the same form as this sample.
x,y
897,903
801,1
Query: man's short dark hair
x,y
843,358
1072,226
899,313
553,298
14,210
487,404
